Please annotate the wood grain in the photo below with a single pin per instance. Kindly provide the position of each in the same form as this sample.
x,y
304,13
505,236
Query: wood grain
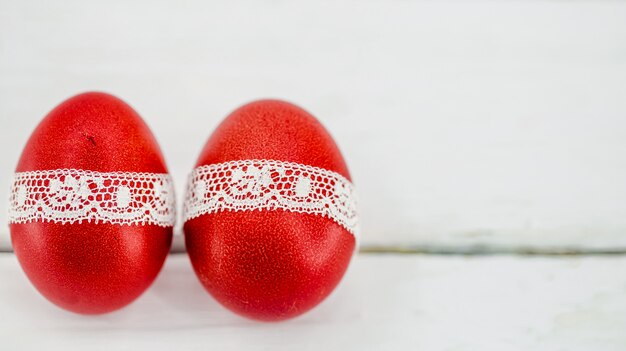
x,y
385,302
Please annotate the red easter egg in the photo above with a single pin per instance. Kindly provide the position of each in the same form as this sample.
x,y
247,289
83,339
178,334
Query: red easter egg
x,y
269,212
92,205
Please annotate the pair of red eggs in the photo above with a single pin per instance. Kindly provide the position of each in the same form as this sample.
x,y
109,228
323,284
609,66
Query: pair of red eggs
x,y
269,213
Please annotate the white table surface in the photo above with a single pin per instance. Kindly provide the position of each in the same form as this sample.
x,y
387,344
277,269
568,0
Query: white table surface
x,y
385,302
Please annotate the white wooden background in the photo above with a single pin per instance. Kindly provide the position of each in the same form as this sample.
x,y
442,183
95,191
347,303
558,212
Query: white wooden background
x,y
500,123
469,127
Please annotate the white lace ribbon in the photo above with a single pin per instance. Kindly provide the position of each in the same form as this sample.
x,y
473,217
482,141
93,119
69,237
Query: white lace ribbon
x,y
73,195
250,185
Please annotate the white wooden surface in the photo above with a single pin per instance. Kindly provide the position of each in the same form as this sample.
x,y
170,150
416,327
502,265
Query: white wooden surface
x,y
493,123
475,122
384,303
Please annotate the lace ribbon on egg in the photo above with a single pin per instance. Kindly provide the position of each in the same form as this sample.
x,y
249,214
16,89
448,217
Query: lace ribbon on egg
x,y
74,196
249,185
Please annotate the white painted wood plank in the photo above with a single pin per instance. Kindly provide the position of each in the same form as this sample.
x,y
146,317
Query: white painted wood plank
x,y
497,123
384,303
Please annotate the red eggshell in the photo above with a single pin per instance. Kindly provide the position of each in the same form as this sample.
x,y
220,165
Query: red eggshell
x,y
86,267
272,264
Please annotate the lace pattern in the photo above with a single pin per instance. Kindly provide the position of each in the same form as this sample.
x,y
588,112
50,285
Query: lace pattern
x,y
249,185
72,195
